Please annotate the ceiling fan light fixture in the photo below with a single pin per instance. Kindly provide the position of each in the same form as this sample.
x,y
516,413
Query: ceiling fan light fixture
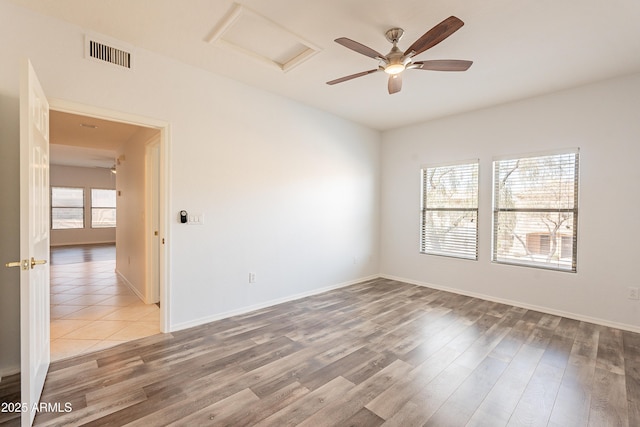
x,y
394,68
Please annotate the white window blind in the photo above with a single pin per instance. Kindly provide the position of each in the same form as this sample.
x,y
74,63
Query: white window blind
x,y
449,218
103,208
535,214
67,208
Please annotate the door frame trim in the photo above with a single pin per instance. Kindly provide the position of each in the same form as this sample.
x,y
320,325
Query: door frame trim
x,y
152,194
164,187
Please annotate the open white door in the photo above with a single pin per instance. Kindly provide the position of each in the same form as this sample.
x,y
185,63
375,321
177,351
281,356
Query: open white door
x,y
34,239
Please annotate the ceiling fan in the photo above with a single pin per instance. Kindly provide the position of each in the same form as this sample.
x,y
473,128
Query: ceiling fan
x,y
396,61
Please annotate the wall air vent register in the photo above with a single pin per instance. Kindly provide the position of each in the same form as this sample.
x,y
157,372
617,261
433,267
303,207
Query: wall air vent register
x,y
99,50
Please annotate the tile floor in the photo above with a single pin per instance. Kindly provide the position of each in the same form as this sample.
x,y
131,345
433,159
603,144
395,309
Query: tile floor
x,y
91,307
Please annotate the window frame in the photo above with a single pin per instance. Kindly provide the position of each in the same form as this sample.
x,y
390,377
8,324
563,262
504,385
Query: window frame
x,y
424,209
92,206
80,208
574,211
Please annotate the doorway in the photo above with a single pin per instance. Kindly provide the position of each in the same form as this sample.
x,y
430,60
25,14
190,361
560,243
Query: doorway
x,y
119,288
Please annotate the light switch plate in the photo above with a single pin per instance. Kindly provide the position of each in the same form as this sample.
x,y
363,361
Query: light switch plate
x,y
195,219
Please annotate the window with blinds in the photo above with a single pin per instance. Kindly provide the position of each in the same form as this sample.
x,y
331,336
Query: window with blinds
x,y
67,208
535,210
103,208
449,217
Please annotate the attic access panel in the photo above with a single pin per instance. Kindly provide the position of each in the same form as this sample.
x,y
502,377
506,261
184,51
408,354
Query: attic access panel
x,y
253,35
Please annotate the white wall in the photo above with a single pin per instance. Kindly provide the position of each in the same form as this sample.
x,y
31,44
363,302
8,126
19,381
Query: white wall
x,y
602,119
130,233
87,178
288,192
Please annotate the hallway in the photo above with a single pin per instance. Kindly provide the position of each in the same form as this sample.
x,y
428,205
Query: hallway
x,y
91,306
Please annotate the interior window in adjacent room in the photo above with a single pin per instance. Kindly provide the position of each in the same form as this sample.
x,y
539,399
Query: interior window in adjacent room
x,y
103,208
67,208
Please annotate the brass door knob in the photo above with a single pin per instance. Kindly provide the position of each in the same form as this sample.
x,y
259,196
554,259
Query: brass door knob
x,y
35,262
24,264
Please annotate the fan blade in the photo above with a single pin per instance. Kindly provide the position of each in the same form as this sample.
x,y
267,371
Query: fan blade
x,y
359,47
395,83
352,76
443,65
434,36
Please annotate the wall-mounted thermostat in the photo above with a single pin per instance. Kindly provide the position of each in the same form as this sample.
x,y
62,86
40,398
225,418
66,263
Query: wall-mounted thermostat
x,y
191,219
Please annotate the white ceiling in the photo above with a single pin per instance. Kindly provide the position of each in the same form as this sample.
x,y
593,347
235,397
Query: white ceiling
x,y
520,48
86,141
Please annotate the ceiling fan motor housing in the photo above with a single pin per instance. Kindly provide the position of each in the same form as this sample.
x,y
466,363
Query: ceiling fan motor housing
x,y
394,35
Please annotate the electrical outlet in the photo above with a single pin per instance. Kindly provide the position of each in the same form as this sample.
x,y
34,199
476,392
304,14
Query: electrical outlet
x,y
252,277
633,293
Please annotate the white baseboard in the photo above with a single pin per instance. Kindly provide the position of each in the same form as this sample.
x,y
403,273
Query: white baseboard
x,y
243,310
547,310
130,286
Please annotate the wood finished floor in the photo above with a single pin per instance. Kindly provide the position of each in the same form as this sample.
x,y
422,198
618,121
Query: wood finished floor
x,y
376,353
